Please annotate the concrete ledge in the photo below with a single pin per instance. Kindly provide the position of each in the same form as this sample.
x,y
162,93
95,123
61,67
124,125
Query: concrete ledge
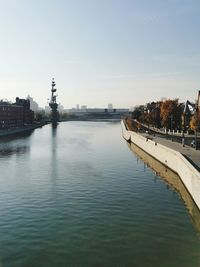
x,y
170,158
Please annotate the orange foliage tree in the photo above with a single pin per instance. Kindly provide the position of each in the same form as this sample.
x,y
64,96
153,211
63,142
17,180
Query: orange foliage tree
x,y
170,113
195,121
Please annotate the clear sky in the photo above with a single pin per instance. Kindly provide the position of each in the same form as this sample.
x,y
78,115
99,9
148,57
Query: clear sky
x,y
124,52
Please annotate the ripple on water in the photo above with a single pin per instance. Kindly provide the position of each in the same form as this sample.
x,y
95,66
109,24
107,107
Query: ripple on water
x,y
86,200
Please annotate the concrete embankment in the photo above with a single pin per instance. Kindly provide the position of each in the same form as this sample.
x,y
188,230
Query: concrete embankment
x,y
172,179
173,159
21,130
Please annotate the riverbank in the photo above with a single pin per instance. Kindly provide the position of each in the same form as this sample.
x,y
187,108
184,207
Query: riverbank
x,y
172,157
92,119
172,179
21,130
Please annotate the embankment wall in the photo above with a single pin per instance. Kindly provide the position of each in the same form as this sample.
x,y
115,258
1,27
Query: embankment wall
x,y
171,158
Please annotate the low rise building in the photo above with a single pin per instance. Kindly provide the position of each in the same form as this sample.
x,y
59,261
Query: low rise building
x,y
105,112
16,114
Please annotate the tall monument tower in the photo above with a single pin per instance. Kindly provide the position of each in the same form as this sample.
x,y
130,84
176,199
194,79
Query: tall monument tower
x,y
53,105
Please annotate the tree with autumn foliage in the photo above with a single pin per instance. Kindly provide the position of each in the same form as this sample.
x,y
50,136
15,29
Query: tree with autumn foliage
x,y
170,114
195,122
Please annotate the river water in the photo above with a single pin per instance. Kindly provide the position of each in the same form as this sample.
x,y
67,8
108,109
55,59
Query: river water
x,y
79,196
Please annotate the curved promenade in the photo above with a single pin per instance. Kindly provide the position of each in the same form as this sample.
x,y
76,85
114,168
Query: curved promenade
x,y
171,158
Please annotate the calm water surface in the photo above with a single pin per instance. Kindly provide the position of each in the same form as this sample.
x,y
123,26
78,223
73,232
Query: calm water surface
x,y
78,196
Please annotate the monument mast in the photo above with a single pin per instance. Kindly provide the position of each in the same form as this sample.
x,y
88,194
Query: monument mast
x,y
53,105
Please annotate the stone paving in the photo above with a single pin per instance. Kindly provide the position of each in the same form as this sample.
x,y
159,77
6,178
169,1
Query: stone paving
x,y
190,152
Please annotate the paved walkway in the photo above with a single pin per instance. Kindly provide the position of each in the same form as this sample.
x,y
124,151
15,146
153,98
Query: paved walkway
x,y
192,155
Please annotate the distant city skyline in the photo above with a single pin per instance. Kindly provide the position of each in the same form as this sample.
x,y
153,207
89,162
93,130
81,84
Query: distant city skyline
x,y
126,52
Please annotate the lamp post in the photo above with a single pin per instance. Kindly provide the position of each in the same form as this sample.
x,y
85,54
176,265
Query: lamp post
x,y
195,137
154,121
171,126
183,130
148,112
196,124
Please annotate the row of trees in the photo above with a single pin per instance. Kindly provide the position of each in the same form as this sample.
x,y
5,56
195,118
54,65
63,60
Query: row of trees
x,y
169,114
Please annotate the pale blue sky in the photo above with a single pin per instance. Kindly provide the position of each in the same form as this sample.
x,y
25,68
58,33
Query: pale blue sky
x,y
124,52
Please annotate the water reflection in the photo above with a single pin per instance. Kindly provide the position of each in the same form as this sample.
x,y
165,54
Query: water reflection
x,y
16,136
54,151
54,125
8,150
172,180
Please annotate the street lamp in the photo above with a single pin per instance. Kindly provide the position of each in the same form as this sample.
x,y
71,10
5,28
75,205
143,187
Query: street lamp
x,y
183,129
171,126
196,121
195,137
